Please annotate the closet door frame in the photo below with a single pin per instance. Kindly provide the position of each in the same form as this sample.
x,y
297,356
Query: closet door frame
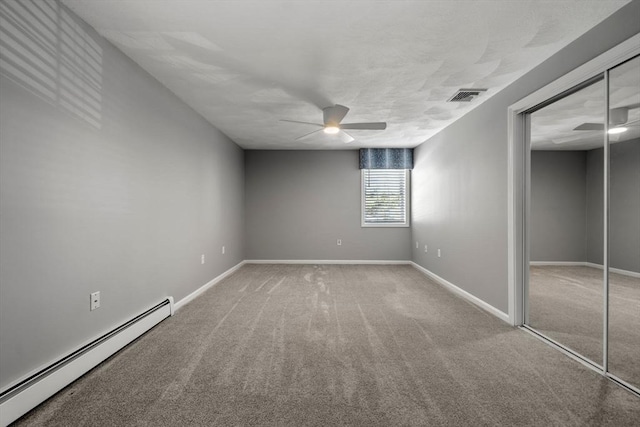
x,y
518,188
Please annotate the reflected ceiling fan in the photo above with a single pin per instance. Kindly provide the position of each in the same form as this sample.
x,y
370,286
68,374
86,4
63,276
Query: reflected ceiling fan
x,y
618,124
618,119
332,116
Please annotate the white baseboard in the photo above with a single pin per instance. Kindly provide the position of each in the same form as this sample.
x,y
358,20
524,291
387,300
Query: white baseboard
x,y
326,261
18,402
464,294
178,305
625,272
558,263
585,264
613,270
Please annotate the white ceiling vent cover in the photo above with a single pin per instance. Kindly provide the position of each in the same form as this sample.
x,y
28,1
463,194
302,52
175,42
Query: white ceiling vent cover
x,y
465,95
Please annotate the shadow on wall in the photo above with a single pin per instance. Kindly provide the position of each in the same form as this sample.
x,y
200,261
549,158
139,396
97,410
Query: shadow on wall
x,y
45,49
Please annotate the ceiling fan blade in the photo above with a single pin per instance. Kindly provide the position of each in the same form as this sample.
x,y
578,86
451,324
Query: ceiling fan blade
x,y
572,138
307,135
304,123
345,137
590,126
365,126
334,115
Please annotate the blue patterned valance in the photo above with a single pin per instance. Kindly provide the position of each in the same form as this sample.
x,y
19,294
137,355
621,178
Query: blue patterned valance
x,y
386,158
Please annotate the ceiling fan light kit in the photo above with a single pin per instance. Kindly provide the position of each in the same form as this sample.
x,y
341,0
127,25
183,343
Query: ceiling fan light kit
x,y
618,120
617,130
332,116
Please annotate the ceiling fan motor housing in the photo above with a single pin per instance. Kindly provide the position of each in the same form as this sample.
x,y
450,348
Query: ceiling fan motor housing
x,y
618,116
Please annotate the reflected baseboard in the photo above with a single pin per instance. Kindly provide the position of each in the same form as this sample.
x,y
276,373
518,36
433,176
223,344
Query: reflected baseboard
x,y
584,264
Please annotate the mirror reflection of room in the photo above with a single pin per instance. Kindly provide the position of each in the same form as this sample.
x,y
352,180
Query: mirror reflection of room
x,y
566,222
624,222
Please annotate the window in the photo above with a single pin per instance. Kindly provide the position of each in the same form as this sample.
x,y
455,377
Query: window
x,y
385,200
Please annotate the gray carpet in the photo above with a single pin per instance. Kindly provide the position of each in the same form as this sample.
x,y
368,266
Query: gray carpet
x,y
337,345
566,304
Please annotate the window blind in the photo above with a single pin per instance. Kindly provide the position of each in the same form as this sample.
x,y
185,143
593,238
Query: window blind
x,y
385,196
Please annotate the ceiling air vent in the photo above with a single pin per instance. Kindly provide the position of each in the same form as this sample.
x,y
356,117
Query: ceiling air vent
x,y
465,95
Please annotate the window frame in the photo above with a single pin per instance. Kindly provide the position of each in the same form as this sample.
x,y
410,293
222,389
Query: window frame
x,y
407,203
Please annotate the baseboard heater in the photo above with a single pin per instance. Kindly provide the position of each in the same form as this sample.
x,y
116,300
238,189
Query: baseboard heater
x,y
28,393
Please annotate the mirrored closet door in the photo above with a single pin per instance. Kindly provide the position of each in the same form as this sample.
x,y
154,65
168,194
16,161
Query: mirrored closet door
x,y
566,225
582,291
624,222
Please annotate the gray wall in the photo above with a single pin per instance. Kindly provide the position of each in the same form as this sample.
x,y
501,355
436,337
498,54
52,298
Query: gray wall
x,y
120,193
567,206
595,203
460,177
558,206
298,203
624,206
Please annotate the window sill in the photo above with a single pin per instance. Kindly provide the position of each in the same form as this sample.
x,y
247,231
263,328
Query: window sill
x,y
385,225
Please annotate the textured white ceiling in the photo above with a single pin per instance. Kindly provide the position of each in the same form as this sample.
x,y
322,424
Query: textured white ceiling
x,y
244,65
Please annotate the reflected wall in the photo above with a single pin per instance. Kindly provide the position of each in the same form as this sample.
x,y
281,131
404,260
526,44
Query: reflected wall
x,y
584,222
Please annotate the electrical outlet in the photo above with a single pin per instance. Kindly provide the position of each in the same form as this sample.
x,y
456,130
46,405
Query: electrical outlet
x,y
438,253
417,245
94,299
339,242
425,249
202,259
223,250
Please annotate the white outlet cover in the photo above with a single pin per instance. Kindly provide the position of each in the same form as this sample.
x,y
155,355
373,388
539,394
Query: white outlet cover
x,y
202,259
438,253
417,245
94,300
425,248
223,250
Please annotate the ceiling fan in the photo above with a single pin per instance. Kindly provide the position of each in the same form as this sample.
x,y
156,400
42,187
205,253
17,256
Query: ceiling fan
x,y
619,123
332,116
618,119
